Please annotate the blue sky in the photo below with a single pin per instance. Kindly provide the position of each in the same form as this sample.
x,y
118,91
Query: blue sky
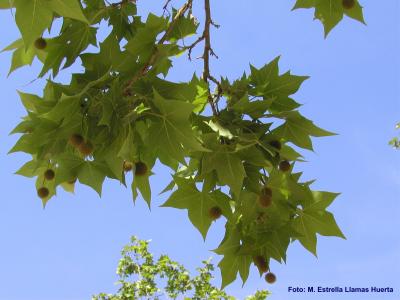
x,y
70,250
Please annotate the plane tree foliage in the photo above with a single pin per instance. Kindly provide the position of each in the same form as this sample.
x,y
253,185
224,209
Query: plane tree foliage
x,y
231,145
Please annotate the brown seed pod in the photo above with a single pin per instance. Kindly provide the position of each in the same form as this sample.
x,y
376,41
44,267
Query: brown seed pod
x,y
266,191
348,4
140,168
261,263
265,201
49,174
127,93
215,212
270,277
40,43
76,140
127,166
276,144
265,197
86,148
284,166
43,192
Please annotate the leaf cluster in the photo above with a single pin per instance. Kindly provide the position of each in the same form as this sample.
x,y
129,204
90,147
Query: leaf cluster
x,y
121,114
143,277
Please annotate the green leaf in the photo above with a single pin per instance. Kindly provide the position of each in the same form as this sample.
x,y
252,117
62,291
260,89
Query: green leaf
x,y
26,143
184,26
75,37
304,4
355,13
6,4
218,128
321,200
277,242
297,129
30,101
308,237
21,57
184,91
68,187
201,99
274,88
171,133
107,112
119,19
253,155
231,242
330,12
244,267
229,267
255,109
32,18
92,175
269,83
310,222
69,166
65,109
14,45
110,55
113,162
142,184
231,264
198,204
143,42
68,8
128,150
324,223
29,169
229,169
289,153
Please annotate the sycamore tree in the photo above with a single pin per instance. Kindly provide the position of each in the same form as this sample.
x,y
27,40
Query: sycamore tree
x,y
231,145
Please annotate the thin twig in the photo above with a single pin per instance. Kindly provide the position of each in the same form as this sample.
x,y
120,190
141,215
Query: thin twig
x,y
193,45
165,7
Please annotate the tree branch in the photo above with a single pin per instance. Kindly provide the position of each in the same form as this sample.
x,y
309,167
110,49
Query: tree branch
x,y
207,52
146,67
